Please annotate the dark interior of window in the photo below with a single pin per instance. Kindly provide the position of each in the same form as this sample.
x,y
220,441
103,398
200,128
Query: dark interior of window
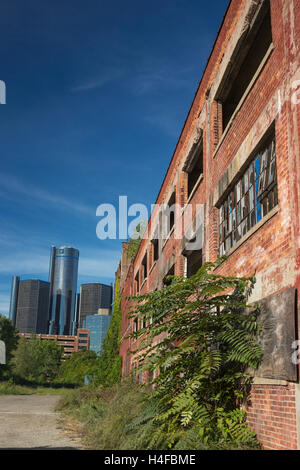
x,y
194,262
171,203
171,272
144,266
137,282
248,67
155,249
196,170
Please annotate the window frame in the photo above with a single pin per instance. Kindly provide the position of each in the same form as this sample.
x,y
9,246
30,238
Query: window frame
x,y
237,209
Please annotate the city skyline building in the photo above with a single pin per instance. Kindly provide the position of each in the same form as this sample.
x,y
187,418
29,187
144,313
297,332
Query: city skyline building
x,y
63,274
97,325
29,305
94,296
14,298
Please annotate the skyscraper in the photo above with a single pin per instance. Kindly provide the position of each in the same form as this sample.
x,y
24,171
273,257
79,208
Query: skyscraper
x,y
97,326
63,273
93,296
14,298
29,305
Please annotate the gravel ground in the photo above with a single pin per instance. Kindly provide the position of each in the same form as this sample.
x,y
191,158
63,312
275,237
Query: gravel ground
x,y
30,422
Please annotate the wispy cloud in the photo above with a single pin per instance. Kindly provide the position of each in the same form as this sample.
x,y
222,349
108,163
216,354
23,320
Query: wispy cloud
x,y
167,77
108,75
24,262
165,121
4,303
12,188
103,263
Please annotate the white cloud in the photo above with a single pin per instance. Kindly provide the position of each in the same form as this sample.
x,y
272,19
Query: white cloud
x,y
108,75
13,187
4,303
101,264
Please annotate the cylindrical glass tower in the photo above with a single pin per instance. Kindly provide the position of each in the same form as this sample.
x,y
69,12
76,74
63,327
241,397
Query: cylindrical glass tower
x,y
63,275
14,298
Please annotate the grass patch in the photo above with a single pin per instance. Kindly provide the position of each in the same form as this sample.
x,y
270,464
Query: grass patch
x,y
105,414
121,418
7,388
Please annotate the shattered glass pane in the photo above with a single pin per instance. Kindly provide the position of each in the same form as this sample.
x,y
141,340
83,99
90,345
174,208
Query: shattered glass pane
x,y
252,197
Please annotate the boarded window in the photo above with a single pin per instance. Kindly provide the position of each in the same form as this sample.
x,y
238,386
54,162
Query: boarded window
x,y
251,198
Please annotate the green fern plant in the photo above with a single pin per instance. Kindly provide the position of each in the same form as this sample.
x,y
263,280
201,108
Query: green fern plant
x,y
202,338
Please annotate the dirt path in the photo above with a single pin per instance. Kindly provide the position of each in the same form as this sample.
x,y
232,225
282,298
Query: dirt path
x,y
30,422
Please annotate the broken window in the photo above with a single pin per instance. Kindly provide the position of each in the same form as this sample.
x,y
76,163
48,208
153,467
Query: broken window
x,y
194,167
171,272
155,249
171,205
193,262
167,216
195,170
252,197
137,283
144,268
135,324
254,48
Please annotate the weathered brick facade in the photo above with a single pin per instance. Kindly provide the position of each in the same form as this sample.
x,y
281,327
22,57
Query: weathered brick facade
x,y
231,136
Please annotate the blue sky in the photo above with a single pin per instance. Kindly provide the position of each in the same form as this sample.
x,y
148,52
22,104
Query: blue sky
x,y
97,94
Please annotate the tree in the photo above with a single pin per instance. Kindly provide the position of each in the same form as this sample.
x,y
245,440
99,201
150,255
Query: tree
x,y
9,335
200,339
37,360
80,364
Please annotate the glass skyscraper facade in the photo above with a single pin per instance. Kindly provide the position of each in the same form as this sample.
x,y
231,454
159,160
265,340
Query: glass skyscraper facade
x,y
29,305
97,326
94,296
63,274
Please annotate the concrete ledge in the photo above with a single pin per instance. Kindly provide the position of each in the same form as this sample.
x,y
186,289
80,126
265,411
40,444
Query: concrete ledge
x,y
265,381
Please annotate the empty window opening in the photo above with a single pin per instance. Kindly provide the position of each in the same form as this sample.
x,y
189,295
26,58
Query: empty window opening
x,y
137,283
193,262
195,169
135,324
144,267
155,249
171,272
246,65
168,216
252,197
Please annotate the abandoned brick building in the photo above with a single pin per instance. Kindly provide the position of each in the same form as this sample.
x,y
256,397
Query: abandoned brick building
x,y
237,158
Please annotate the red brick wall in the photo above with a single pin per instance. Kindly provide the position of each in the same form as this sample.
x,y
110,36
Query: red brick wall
x,y
272,416
273,250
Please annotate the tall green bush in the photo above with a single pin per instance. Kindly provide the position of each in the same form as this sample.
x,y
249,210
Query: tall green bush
x,y
200,341
75,368
37,360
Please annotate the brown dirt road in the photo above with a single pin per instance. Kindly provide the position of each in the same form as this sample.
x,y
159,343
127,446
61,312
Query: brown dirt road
x,y
30,422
